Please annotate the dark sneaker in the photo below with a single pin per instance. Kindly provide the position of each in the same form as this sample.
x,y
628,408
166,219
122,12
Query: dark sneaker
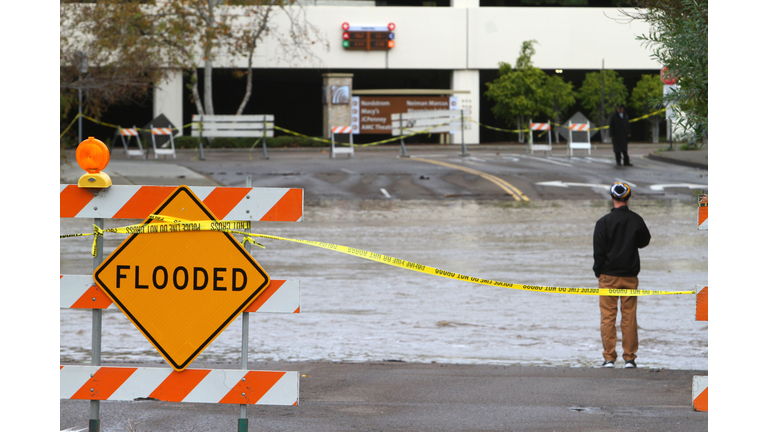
x,y
630,364
608,364
628,164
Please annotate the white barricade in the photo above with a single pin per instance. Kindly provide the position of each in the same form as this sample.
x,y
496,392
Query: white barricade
x,y
539,147
125,137
578,145
163,151
342,130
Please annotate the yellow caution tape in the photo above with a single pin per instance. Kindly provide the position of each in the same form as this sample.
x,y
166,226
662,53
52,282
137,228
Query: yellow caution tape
x,y
556,125
108,124
559,125
301,135
361,145
498,129
70,125
275,126
179,225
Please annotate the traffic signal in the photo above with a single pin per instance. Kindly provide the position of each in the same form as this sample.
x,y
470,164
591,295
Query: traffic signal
x,y
368,37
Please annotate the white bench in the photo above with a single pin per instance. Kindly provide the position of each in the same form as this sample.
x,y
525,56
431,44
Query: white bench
x,y
233,126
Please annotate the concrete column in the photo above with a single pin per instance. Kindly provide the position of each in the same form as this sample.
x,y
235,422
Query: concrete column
x,y
169,99
337,102
468,80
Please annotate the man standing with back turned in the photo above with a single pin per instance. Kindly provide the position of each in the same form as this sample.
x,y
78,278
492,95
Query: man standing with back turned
x,y
618,236
618,127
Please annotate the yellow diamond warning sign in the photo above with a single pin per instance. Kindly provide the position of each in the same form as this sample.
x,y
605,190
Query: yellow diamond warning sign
x,y
181,289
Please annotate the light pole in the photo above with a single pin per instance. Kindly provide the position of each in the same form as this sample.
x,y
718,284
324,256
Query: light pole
x,y
602,104
83,69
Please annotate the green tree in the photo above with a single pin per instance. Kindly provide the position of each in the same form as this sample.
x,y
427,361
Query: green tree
x,y
192,32
104,52
131,45
562,97
679,41
591,95
519,93
646,93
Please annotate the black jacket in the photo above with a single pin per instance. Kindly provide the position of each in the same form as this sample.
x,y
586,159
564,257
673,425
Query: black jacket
x,y
619,130
618,236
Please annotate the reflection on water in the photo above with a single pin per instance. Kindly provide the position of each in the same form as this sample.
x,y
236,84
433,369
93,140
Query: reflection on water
x,y
358,310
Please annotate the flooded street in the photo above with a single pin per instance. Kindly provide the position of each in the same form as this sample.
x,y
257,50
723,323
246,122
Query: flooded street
x,y
357,310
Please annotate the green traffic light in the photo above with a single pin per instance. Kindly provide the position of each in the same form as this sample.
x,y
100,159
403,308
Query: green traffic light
x,y
345,44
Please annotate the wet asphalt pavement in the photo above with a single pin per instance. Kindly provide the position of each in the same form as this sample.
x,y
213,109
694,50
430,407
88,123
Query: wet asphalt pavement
x,y
410,396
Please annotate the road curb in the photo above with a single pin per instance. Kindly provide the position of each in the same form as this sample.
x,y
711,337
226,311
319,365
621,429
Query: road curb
x,y
677,161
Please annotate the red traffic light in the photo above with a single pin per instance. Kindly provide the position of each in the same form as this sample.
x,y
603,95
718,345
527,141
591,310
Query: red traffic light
x,y
345,35
391,26
345,26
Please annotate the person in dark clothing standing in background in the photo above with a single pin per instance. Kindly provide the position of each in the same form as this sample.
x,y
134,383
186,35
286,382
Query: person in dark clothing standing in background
x,y
618,236
618,126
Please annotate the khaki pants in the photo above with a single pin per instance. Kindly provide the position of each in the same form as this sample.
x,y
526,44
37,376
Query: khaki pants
x,y
609,307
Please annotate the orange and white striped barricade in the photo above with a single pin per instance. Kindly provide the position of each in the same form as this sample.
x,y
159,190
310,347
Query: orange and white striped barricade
x,y
171,150
700,396
703,212
230,386
702,303
348,150
240,386
578,145
700,393
125,136
234,126
79,292
539,147
226,203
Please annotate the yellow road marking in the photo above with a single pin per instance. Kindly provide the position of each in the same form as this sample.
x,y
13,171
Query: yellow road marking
x,y
508,188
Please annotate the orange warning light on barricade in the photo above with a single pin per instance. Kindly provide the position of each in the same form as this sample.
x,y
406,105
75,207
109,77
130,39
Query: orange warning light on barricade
x,y
93,156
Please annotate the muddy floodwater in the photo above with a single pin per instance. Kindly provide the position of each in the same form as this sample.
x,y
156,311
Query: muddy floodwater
x,y
358,310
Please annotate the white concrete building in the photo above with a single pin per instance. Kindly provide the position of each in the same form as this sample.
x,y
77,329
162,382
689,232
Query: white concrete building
x,y
462,43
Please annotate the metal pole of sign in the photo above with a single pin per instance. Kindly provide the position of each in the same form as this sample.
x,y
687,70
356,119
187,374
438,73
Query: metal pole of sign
x,y
79,115
463,146
93,422
82,67
530,137
403,151
669,133
264,142
242,422
549,136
